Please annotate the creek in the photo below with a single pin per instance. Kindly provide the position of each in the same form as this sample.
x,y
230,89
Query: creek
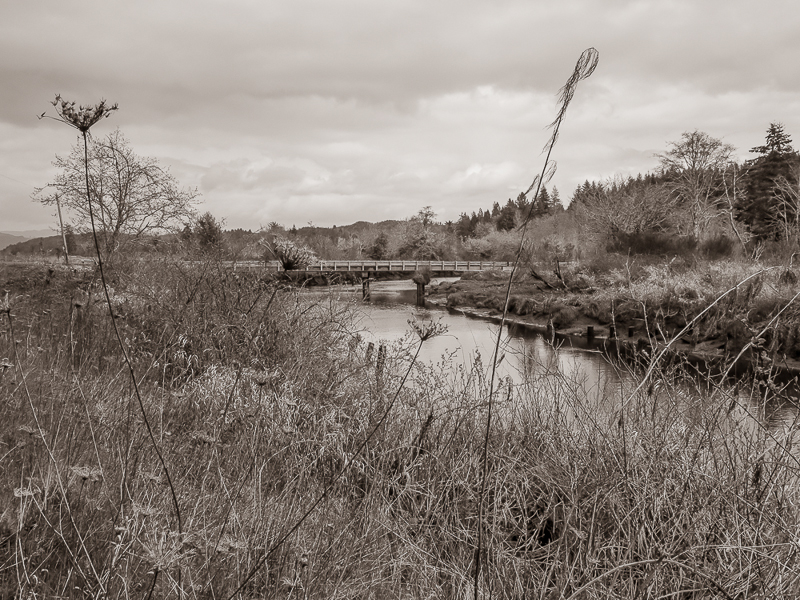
x,y
524,353
385,319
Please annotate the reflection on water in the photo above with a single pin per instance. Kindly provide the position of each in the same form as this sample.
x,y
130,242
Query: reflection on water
x,y
524,355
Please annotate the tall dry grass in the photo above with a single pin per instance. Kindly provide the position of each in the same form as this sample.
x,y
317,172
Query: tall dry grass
x,y
260,398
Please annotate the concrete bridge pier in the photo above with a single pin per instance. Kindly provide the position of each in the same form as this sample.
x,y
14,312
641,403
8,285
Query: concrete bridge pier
x,y
421,294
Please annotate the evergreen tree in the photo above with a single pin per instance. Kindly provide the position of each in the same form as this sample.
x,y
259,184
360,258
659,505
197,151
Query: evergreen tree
x,y
208,233
778,141
473,223
760,207
556,197
580,195
465,226
544,203
506,219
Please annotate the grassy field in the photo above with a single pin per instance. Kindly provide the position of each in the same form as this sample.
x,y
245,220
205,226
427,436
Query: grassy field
x,y
262,451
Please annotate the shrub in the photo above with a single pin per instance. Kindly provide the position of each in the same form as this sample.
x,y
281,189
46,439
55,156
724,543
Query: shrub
x,y
719,246
460,299
422,277
292,255
565,317
652,243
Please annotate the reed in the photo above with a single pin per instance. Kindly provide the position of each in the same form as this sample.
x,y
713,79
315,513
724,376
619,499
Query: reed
x,y
263,401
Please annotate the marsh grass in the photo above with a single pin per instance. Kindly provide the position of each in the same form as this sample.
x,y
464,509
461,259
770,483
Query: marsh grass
x,y
259,398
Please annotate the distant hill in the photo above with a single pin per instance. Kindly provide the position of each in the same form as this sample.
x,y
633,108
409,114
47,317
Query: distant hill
x,y
30,233
12,244
359,228
7,239
40,245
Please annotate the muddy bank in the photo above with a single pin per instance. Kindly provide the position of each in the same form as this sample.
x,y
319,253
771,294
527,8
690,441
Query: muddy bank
x,y
587,317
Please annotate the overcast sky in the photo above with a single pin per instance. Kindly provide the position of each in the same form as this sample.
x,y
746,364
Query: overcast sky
x,y
335,111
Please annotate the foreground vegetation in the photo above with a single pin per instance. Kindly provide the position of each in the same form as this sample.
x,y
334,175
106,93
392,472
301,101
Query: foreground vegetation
x,y
254,402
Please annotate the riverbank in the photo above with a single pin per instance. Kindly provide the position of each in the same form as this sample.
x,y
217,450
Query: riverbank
x,y
266,450
751,316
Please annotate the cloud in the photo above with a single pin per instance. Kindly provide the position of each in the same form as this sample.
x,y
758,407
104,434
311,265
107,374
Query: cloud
x,y
347,109
491,177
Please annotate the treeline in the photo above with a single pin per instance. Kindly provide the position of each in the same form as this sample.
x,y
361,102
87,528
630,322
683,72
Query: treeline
x,y
698,199
486,235
699,196
510,215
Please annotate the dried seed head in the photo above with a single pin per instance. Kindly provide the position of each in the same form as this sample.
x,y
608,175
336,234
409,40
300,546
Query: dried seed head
x,y
83,117
427,330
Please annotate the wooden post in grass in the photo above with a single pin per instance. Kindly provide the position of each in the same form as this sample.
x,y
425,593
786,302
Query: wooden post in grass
x,y
380,362
365,293
63,234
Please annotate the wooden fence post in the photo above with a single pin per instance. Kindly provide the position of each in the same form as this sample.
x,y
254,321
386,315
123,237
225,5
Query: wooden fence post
x,y
379,362
365,293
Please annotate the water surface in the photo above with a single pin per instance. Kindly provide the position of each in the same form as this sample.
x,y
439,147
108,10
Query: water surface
x,y
523,354
385,319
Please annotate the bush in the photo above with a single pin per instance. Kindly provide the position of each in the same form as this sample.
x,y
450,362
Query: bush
x,y
719,246
565,317
522,306
291,255
422,277
656,243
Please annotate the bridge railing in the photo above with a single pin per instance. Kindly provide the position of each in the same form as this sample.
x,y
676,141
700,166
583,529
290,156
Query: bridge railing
x,y
384,265
405,265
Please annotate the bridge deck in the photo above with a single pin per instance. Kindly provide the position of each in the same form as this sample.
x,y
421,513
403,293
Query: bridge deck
x,y
401,266
326,266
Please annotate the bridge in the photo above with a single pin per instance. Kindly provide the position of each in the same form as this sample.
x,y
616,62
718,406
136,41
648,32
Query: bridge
x,y
366,267
322,266
396,266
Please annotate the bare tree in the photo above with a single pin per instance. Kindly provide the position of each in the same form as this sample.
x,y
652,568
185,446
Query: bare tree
x,y
627,207
787,196
421,237
732,196
694,167
132,195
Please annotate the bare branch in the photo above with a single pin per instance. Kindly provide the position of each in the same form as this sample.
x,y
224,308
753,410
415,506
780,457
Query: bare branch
x,y
132,196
